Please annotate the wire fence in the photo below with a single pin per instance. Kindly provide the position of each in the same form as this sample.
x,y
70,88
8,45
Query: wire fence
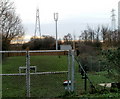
x,y
95,81
37,73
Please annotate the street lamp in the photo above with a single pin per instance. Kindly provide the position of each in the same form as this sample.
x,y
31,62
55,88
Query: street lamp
x,y
56,19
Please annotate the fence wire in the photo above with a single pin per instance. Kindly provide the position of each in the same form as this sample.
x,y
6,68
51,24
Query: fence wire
x,y
13,84
44,78
50,84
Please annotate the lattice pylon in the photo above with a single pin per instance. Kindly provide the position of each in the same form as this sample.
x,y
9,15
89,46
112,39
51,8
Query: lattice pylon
x,y
37,25
113,21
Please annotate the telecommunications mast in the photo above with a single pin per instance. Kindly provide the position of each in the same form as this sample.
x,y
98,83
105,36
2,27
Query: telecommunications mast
x,y
56,19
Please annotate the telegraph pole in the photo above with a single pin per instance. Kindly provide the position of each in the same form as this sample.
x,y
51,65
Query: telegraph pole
x,y
56,19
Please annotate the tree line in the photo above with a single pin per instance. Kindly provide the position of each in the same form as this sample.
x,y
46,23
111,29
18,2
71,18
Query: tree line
x,y
10,24
102,34
89,47
11,28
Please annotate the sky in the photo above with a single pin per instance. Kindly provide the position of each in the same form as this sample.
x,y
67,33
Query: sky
x,y
74,15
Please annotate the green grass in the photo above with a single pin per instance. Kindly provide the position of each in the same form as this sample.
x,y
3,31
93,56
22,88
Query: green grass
x,y
41,85
49,63
11,64
49,85
13,86
96,79
43,63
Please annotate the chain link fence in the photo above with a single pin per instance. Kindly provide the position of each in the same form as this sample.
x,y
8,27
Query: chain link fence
x,y
93,78
13,84
37,73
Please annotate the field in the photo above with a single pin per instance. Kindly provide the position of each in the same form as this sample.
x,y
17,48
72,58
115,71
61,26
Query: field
x,y
48,85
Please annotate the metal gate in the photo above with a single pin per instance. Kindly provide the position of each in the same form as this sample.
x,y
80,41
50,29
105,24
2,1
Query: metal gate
x,y
43,74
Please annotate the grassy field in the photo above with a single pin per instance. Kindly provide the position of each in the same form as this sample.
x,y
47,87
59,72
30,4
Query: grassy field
x,y
43,63
49,85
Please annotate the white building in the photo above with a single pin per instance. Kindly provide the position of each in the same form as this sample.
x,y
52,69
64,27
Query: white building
x,y
65,47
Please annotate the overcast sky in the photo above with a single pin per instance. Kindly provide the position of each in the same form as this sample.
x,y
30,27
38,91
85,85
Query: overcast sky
x,y
74,15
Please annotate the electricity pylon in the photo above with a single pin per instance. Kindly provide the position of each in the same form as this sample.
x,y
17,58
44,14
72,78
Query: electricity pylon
x,y
113,21
37,25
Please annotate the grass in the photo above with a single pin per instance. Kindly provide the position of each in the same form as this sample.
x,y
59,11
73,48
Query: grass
x,y
49,63
41,86
43,63
13,86
11,64
96,78
49,85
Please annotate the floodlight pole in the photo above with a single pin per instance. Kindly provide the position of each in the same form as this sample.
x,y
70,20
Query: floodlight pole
x,y
56,19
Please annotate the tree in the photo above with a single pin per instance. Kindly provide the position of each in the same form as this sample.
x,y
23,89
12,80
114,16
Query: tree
x,y
98,34
46,43
104,31
67,39
91,34
113,58
84,35
10,24
88,34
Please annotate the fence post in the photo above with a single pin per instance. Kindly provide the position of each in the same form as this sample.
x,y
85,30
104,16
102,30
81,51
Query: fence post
x,y
69,71
73,71
0,75
85,83
28,73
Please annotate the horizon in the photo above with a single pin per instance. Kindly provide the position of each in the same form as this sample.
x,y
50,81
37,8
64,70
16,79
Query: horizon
x,y
74,15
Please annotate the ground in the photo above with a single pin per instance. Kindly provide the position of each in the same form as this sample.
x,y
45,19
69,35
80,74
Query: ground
x,y
49,85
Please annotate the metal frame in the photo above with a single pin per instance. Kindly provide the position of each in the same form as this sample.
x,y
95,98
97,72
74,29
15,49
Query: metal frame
x,y
71,69
24,68
28,73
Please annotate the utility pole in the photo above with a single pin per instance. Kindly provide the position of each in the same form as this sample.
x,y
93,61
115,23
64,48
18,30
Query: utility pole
x,y
37,24
56,19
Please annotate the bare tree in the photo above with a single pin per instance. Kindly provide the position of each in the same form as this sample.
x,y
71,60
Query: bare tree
x,y
84,35
67,39
104,31
89,34
5,5
10,24
98,34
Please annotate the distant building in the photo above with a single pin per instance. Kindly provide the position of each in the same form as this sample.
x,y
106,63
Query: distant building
x,y
65,47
